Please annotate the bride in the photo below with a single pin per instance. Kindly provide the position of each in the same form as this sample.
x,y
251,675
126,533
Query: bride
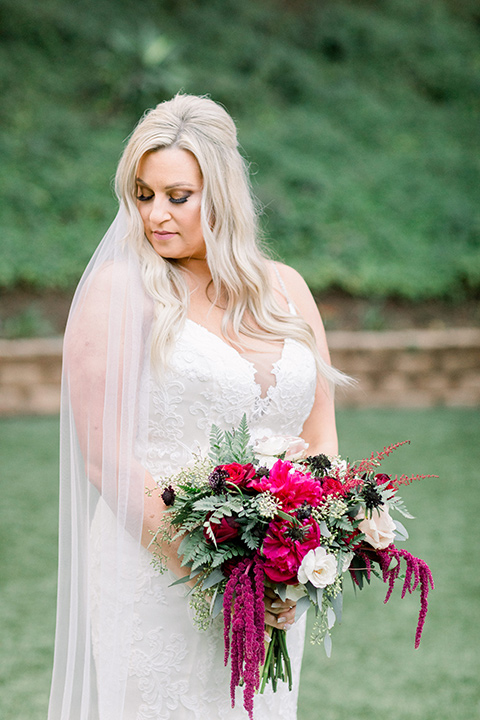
x,y
180,321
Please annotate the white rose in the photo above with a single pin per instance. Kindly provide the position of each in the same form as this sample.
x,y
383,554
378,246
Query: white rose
x,y
379,530
319,567
268,449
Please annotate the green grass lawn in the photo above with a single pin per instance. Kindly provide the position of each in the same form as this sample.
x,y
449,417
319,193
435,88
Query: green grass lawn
x,y
374,671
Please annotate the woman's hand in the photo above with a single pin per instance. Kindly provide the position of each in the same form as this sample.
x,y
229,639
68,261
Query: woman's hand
x,y
278,614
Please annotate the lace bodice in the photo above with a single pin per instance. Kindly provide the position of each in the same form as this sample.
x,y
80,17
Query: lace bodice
x,y
211,382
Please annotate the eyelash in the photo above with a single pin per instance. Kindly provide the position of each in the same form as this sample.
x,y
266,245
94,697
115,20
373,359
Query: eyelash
x,y
175,201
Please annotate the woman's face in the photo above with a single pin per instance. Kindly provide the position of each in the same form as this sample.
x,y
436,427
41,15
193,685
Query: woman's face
x,y
169,193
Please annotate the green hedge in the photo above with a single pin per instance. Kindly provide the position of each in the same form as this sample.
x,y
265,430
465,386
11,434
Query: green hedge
x,y
360,120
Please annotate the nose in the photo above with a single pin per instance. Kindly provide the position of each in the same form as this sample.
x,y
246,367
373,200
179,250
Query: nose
x,y
160,210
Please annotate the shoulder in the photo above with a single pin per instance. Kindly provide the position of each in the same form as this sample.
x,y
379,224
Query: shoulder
x,y
296,288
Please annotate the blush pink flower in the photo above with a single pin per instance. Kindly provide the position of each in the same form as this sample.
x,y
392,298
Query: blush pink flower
x,y
285,546
291,486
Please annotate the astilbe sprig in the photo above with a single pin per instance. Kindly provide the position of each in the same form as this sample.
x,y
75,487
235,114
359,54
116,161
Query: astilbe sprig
x,y
376,457
407,479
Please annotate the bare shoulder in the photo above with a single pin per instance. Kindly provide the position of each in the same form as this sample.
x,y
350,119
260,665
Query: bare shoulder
x,y
297,291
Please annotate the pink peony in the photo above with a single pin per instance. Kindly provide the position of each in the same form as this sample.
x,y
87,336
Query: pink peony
x,y
285,546
292,487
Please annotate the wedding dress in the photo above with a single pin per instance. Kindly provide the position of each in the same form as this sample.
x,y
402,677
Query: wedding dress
x,y
175,671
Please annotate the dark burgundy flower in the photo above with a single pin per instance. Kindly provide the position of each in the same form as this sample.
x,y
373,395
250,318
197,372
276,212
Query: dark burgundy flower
x,y
304,511
217,479
226,529
318,464
371,496
168,495
382,478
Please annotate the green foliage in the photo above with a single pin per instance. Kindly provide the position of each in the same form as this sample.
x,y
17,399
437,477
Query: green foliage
x,y
360,120
227,446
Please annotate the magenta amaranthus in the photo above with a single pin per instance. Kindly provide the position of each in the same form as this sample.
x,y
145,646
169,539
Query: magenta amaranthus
x,y
244,615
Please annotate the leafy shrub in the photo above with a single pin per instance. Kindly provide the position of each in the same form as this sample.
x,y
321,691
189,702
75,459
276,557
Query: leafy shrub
x,y
360,121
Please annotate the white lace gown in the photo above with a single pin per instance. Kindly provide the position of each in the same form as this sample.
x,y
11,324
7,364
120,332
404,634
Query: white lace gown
x,y
176,672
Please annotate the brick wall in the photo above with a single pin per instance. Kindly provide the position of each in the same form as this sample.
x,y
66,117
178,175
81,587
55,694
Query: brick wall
x,y
410,368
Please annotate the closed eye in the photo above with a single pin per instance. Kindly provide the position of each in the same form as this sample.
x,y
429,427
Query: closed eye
x,y
179,200
144,198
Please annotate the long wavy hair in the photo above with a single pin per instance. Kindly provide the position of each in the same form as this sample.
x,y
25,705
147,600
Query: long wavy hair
x,y
229,219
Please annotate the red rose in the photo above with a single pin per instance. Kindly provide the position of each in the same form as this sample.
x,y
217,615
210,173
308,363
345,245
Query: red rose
x,y
239,474
226,529
332,486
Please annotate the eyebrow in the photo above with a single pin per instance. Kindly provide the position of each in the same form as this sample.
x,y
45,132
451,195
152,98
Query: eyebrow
x,y
139,181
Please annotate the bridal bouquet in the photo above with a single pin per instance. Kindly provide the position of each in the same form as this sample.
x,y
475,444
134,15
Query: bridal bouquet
x,y
252,516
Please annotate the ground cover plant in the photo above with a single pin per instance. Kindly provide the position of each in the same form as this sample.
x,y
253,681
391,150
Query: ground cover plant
x,y
374,670
360,120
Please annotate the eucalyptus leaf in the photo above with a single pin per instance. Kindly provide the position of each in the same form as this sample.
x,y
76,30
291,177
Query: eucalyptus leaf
x,y
337,605
312,592
393,563
180,581
401,532
217,605
319,597
327,642
354,510
214,578
330,618
281,590
302,606
325,532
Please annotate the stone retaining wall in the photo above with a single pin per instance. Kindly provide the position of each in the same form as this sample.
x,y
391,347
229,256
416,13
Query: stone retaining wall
x,y
410,368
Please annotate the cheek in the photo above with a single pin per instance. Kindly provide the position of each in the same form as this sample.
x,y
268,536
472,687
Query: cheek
x,y
142,211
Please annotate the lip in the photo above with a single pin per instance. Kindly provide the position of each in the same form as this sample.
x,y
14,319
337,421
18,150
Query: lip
x,y
163,234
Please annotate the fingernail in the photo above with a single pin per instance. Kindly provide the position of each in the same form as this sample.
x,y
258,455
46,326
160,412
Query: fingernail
x,y
276,605
281,620
267,638
287,626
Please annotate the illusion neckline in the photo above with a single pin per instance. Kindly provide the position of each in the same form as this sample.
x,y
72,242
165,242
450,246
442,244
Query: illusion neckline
x,y
275,365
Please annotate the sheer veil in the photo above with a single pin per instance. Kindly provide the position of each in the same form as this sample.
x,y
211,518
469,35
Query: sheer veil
x,y
104,412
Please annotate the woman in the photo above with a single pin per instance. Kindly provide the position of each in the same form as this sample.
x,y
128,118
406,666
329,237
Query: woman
x,y
179,322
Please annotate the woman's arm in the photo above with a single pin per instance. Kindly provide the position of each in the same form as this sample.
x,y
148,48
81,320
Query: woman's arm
x,y
319,429
103,364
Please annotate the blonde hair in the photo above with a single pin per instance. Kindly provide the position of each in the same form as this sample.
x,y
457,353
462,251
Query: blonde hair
x,y
229,224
